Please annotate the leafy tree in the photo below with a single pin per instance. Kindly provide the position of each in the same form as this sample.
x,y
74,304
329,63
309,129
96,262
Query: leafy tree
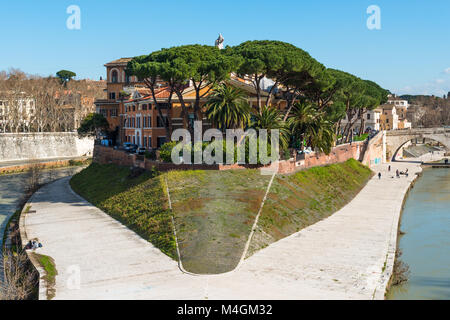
x,y
65,76
351,94
203,66
228,108
93,125
276,60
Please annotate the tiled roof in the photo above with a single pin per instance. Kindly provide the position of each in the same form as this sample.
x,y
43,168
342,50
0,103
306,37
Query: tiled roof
x,y
121,61
162,93
387,106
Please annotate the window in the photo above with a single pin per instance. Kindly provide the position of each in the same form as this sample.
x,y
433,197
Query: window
x,y
145,141
387,120
134,107
161,141
104,112
149,122
138,121
149,141
113,112
191,119
144,107
368,116
112,95
114,77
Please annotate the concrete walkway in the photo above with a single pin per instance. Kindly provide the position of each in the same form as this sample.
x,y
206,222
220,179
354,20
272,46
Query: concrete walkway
x,y
346,256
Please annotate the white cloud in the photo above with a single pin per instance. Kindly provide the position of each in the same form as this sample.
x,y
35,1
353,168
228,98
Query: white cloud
x,y
437,87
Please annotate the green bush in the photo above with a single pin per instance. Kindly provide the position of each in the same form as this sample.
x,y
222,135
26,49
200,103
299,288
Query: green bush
x,y
165,152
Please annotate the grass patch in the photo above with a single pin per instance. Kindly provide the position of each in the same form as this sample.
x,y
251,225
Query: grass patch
x,y
136,200
214,212
48,264
301,199
361,137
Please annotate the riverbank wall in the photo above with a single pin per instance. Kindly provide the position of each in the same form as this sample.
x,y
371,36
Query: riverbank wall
x,y
43,146
393,238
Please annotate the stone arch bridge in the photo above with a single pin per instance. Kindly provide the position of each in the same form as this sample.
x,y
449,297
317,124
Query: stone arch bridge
x,y
397,138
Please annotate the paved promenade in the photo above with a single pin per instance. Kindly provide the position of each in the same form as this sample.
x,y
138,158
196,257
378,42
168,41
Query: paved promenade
x,y
346,256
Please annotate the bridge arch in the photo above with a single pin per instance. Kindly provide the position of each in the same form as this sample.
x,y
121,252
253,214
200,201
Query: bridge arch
x,y
397,139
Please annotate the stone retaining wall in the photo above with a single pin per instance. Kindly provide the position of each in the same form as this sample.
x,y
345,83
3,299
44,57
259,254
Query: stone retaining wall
x,y
43,145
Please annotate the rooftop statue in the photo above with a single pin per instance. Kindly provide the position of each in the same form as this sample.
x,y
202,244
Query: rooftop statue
x,y
219,41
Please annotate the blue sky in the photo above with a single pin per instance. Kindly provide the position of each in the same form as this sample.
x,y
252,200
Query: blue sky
x,y
410,54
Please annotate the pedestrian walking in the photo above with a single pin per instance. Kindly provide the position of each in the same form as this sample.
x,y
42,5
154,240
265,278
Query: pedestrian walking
x,y
379,175
397,173
389,168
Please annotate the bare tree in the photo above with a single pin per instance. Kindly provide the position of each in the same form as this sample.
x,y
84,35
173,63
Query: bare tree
x,y
20,278
30,103
33,178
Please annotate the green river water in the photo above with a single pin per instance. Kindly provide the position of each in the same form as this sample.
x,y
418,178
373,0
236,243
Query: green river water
x,y
426,242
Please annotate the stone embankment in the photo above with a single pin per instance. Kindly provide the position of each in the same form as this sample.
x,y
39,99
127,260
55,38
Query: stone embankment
x,y
348,255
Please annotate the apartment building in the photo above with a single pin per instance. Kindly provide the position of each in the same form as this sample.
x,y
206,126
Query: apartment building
x,y
389,117
371,120
401,107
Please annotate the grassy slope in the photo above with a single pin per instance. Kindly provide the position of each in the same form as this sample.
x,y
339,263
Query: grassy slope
x,y
301,199
138,202
214,213
214,210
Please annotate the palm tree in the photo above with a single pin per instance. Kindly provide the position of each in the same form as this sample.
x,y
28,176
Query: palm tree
x,y
311,126
228,108
271,118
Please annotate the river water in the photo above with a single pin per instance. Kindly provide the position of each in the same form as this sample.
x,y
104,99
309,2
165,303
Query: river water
x,y
426,242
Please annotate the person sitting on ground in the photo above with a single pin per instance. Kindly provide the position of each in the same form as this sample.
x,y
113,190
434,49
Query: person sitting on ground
x,y
29,245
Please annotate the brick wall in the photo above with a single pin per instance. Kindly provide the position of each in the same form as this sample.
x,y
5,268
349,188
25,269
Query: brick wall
x,y
338,154
342,153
